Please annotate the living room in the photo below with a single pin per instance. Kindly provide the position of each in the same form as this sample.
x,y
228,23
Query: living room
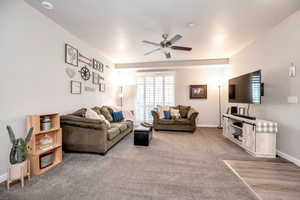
x,y
167,69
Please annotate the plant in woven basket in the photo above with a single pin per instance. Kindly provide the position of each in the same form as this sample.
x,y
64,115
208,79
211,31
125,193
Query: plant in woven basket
x,y
18,152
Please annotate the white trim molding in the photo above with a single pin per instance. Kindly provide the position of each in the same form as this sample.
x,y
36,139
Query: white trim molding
x,y
206,126
288,157
3,177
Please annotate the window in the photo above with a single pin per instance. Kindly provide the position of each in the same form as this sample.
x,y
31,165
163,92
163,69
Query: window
x,y
153,90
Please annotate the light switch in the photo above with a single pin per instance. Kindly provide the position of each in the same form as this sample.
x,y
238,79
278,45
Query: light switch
x,y
293,99
292,70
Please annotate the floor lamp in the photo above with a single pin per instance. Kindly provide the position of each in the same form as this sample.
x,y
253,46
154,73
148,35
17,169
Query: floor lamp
x,y
220,108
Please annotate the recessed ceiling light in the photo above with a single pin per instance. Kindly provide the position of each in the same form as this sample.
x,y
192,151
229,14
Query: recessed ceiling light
x,y
47,5
191,25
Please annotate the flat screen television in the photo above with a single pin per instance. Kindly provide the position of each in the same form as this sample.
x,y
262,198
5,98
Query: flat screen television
x,y
245,88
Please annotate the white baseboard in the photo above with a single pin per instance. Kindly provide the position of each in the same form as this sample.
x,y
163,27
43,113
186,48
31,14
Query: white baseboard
x,y
207,126
3,177
288,157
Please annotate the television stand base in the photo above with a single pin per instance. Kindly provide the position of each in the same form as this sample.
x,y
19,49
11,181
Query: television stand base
x,y
245,116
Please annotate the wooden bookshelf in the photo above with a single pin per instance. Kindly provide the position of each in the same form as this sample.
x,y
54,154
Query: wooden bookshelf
x,y
35,152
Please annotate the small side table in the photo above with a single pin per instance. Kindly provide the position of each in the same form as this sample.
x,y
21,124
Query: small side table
x,y
142,136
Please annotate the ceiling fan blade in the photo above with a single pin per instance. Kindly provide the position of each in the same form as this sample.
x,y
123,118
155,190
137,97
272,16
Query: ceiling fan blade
x,y
152,51
181,48
173,40
152,43
168,55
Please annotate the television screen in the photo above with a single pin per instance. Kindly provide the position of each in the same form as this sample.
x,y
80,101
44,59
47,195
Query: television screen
x,y
245,88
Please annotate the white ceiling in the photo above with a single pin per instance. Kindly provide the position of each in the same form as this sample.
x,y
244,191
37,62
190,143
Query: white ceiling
x,y
117,27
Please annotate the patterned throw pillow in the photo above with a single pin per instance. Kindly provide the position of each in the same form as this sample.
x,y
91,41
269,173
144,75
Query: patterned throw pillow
x,y
175,113
184,110
105,112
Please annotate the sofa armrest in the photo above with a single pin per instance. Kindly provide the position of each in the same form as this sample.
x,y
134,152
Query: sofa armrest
x,y
193,118
83,122
155,116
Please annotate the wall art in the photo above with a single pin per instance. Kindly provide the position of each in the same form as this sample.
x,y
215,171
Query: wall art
x,y
89,89
98,65
84,59
71,55
198,91
70,72
96,78
75,87
102,87
85,73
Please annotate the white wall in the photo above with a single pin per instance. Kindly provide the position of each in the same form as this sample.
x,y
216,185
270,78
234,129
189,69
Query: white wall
x,y
33,78
273,53
184,77
210,75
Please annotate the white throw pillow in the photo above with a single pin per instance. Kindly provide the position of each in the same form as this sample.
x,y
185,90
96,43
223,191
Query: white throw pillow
x,y
161,109
128,115
90,114
105,121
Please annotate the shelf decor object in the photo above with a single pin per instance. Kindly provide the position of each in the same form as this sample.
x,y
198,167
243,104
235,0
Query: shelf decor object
x,y
71,55
198,91
44,143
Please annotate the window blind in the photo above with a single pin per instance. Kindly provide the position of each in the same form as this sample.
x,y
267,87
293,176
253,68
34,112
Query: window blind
x,y
153,90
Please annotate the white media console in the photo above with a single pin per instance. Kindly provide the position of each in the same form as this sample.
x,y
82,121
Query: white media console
x,y
257,137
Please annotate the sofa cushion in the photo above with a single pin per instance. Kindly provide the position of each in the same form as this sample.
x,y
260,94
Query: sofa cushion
x,y
174,122
113,132
106,113
120,125
183,110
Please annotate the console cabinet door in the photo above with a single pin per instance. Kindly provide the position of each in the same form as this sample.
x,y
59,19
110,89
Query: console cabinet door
x,y
249,137
225,127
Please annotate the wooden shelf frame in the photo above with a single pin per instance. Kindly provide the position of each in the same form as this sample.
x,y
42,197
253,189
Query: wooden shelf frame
x,y
34,121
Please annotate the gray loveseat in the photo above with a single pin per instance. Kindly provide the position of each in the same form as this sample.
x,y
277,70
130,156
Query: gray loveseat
x,y
187,122
89,135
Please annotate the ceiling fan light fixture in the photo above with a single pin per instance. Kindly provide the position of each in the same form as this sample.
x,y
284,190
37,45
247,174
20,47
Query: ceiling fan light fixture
x,y
47,5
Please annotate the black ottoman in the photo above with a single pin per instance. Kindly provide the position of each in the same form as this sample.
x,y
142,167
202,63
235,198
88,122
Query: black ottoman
x,y
142,136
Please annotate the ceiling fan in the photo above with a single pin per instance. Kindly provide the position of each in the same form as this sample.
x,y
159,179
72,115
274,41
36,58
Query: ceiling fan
x,y
166,45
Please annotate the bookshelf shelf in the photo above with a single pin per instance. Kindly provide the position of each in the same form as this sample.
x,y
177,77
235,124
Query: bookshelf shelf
x,y
54,133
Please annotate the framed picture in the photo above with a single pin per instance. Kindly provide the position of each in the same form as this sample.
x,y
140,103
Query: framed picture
x,y
98,65
96,78
75,87
71,55
198,91
102,87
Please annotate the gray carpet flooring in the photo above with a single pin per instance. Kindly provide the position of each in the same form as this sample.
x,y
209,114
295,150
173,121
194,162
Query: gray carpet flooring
x,y
179,166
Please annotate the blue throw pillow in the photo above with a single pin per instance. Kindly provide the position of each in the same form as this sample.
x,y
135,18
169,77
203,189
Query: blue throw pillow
x,y
167,114
117,116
